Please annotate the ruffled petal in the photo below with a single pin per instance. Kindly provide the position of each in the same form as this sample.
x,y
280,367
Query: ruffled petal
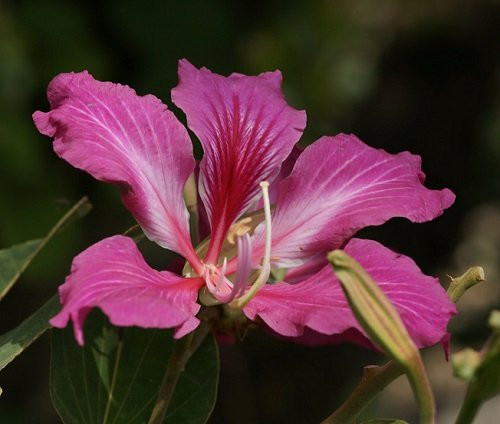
x,y
319,304
340,185
113,276
119,137
246,129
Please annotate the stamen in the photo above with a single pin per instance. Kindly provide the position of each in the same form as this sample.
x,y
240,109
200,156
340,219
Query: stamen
x,y
242,273
239,229
244,265
219,291
221,276
266,260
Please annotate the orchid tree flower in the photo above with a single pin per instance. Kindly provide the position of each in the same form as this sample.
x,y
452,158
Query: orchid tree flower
x,y
266,264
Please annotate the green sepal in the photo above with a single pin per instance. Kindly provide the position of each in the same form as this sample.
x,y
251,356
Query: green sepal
x,y
381,321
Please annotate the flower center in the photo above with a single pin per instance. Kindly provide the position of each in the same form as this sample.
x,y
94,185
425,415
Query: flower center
x,y
236,293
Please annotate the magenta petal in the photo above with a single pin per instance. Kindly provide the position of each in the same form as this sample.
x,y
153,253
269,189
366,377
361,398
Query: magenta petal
x,y
113,276
285,170
247,130
340,185
319,304
117,136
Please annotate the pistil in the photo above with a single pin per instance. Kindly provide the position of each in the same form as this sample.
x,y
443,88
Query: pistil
x,y
222,275
244,264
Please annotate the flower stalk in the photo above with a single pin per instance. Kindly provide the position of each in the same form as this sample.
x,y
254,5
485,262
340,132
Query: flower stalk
x,y
374,380
460,285
485,378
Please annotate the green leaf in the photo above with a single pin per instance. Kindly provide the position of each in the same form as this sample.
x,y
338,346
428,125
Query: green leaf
x,y
384,421
14,260
116,376
18,339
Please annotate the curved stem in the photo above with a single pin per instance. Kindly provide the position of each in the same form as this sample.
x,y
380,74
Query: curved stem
x,y
469,408
460,285
374,380
422,390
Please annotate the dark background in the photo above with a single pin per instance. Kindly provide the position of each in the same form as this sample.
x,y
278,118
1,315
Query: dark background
x,y
416,75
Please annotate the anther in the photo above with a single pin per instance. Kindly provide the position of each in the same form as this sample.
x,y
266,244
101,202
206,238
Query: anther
x,y
238,229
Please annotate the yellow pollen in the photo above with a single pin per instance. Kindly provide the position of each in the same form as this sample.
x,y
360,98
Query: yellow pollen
x,y
239,229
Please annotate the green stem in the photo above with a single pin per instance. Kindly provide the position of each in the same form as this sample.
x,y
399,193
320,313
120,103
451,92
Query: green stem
x,y
374,380
460,285
457,288
484,382
422,390
182,352
469,408
113,382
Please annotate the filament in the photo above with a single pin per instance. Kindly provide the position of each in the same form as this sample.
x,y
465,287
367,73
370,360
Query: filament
x,y
266,260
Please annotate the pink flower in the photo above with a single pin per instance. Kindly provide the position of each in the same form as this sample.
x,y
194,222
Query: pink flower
x,y
337,186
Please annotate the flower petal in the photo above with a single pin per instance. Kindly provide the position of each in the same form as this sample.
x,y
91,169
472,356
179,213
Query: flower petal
x,y
319,304
340,185
285,170
113,276
247,130
117,136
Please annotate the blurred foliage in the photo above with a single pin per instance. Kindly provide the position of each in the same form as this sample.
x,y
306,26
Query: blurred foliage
x,y
416,75
481,370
